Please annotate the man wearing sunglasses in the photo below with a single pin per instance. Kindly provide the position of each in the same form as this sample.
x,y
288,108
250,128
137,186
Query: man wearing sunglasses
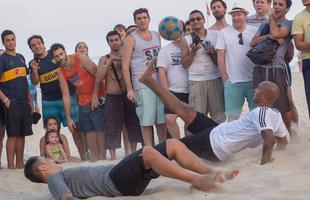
x,y
233,43
199,58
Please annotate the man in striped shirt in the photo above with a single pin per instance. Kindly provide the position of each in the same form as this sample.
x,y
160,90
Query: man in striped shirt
x,y
261,15
217,142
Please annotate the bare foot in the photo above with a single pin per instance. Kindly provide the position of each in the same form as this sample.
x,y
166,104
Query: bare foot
x,y
208,181
230,174
147,75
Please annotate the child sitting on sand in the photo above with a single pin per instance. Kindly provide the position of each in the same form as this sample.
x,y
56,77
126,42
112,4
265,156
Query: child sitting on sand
x,y
54,148
51,123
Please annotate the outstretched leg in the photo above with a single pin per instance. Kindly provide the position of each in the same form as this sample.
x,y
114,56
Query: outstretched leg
x,y
200,175
154,160
170,101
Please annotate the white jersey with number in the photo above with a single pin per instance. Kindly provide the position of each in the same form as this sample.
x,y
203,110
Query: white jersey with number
x,y
170,58
231,137
144,51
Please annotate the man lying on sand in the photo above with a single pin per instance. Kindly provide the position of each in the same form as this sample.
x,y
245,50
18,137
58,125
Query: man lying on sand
x,y
217,142
130,176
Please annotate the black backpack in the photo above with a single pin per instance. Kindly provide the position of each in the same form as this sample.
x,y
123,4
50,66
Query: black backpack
x,y
264,52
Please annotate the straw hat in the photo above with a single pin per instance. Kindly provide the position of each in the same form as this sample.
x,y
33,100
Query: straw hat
x,y
238,8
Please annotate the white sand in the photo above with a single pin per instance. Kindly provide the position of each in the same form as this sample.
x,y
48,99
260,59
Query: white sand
x,y
287,177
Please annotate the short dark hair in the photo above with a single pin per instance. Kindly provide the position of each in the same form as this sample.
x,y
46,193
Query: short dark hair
x,y
5,33
187,23
31,170
111,33
34,37
56,46
197,11
119,26
76,46
139,11
288,3
131,26
221,1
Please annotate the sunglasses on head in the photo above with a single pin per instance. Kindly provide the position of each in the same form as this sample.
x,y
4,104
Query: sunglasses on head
x,y
195,19
240,38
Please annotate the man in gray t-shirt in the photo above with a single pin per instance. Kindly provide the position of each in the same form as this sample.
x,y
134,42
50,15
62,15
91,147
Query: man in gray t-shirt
x,y
278,28
130,176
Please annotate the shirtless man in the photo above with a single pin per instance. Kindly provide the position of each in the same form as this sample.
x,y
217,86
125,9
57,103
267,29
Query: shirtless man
x,y
79,70
217,142
218,8
118,110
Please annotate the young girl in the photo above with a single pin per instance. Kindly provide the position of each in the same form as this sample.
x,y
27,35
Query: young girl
x,y
53,147
52,123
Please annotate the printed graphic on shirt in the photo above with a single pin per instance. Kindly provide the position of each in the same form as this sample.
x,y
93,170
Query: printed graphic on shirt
x,y
75,80
13,74
49,76
151,53
176,58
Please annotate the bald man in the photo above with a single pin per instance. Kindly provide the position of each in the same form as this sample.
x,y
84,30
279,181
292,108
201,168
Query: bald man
x,y
217,142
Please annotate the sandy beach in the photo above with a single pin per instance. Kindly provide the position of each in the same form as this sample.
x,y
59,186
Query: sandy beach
x,y
287,177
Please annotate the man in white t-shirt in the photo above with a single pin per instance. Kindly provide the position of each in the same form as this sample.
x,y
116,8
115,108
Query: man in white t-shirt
x,y
217,142
173,77
199,58
233,43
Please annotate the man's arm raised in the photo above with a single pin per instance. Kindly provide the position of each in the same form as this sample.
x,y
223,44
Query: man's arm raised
x,y
87,64
269,142
129,46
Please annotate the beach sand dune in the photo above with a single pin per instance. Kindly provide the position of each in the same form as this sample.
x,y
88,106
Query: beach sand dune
x,y
287,177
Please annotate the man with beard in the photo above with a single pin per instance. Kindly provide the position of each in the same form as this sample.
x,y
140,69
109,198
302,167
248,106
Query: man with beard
x,y
218,8
119,111
80,71
199,58
280,29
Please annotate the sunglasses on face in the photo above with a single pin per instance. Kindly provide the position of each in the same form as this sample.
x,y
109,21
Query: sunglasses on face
x,y
195,19
240,38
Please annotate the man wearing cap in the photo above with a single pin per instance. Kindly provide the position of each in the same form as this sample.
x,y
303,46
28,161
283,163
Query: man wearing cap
x,y
233,43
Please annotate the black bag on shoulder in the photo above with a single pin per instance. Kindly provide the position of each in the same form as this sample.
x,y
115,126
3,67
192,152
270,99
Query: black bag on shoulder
x,y
264,52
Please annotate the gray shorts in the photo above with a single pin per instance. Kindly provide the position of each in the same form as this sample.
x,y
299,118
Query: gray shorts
x,y
208,97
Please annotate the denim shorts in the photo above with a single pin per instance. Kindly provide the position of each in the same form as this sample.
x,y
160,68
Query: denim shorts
x,y
91,120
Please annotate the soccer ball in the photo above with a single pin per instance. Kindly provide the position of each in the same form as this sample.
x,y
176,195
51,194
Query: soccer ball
x,y
170,28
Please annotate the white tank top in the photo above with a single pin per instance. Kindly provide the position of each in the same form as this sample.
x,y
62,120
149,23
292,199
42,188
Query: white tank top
x,y
144,51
